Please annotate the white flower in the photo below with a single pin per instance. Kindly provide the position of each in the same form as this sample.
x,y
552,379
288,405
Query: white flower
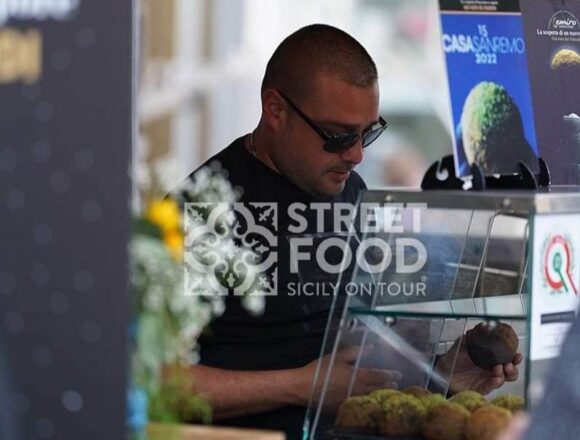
x,y
166,170
171,316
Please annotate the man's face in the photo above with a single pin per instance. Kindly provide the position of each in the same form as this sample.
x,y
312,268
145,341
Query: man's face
x,y
336,107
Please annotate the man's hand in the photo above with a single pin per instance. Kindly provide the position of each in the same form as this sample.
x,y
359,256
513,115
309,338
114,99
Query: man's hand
x,y
234,393
366,381
468,376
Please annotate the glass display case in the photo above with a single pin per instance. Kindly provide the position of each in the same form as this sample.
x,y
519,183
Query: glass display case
x,y
436,288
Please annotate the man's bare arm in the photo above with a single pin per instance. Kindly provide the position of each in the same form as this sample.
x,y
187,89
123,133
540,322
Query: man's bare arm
x,y
237,393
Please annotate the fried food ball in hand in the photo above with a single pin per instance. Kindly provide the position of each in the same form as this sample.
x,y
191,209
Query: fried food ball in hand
x,y
489,345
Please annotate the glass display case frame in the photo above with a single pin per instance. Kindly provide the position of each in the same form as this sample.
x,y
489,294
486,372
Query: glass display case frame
x,y
485,261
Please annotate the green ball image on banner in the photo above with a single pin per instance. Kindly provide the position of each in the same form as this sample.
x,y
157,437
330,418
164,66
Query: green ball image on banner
x,y
492,132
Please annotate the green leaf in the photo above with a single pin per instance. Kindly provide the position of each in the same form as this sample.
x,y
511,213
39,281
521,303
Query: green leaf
x,y
175,401
142,226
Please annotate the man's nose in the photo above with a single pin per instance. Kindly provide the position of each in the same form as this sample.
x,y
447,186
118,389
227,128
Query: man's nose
x,y
354,154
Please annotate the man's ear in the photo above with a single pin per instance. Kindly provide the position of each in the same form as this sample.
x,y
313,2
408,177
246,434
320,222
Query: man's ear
x,y
273,109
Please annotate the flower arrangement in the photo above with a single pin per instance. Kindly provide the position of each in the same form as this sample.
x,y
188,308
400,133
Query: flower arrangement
x,y
167,320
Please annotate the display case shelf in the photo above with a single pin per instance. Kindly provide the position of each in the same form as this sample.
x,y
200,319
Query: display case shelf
x,y
501,308
425,315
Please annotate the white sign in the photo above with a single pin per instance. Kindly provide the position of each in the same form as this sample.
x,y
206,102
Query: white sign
x,y
555,282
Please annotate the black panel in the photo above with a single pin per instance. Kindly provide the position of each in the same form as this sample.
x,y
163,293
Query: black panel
x,y
65,143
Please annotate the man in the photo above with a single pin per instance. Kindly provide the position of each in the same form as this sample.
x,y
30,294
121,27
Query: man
x,y
320,108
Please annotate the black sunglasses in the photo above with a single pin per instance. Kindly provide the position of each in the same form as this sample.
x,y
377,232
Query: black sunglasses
x,y
337,143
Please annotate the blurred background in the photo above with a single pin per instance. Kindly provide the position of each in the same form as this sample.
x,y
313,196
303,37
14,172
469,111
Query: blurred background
x,y
202,61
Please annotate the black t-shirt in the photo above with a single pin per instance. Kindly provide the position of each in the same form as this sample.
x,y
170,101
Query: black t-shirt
x,y
289,333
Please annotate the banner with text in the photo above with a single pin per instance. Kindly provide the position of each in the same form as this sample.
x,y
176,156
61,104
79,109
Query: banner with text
x,y
552,30
489,88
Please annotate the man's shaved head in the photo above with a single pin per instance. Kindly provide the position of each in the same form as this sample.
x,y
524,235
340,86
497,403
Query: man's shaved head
x,y
316,49
332,80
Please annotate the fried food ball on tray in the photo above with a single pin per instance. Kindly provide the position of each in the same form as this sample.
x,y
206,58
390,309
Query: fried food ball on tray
x,y
470,400
486,423
402,415
416,391
360,414
431,400
445,421
383,394
511,402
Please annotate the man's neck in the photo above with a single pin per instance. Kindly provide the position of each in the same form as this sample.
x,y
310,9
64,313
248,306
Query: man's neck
x,y
254,143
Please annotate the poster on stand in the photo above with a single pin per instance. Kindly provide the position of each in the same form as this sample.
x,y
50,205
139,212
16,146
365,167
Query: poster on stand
x,y
552,32
487,73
